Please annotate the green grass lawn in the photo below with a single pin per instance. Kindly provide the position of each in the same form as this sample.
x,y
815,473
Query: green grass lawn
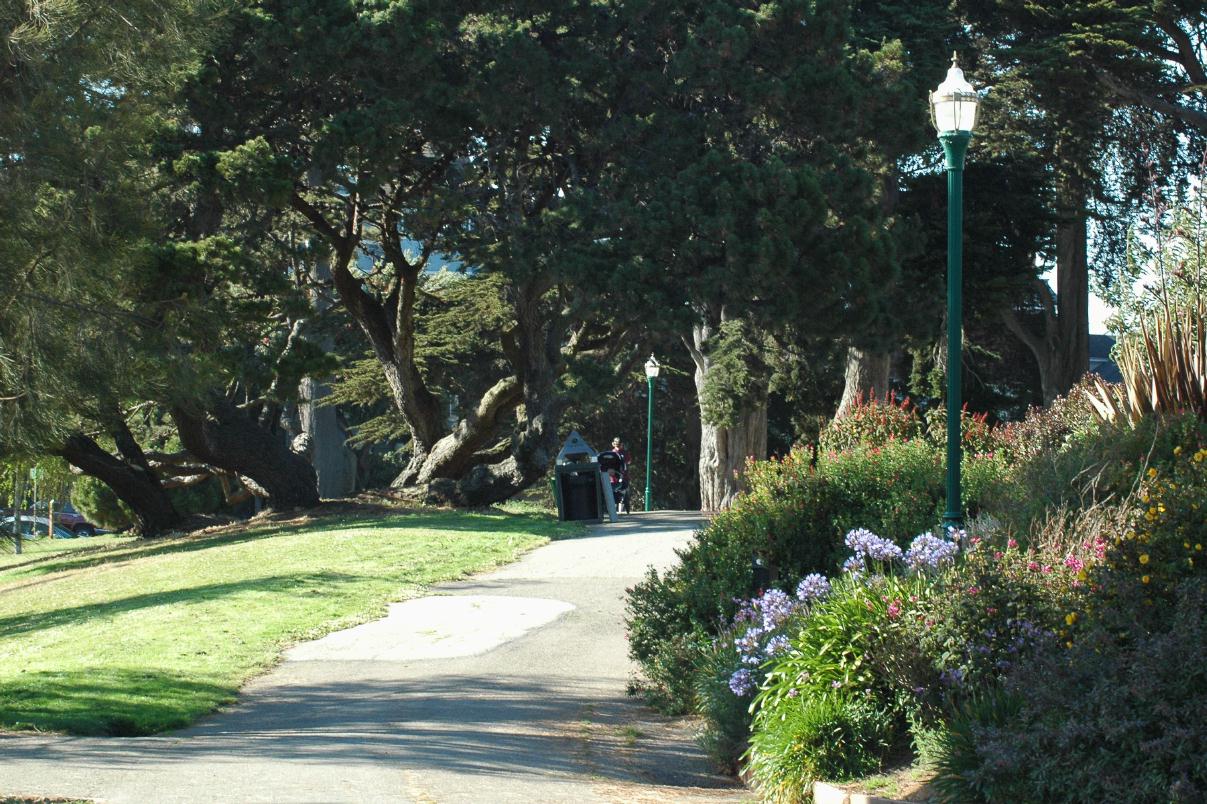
x,y
138,637
39,549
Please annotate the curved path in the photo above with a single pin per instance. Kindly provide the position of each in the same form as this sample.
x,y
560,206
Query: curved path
x,y
510,688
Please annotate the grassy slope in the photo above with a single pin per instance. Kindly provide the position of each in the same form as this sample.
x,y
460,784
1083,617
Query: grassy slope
x,y
143,637
43,548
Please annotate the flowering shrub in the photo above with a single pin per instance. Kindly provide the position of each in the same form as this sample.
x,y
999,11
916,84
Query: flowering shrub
x,y
1165,541
1113,707
838,683
1068,419
976,436
871,423
997,606
1116,717
793,516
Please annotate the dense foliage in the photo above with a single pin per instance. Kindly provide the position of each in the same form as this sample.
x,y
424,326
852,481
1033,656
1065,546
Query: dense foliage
x,y
790,522
1048,649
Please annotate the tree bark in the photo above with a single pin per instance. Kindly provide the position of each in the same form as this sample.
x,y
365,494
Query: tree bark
x,y
1073,300
449,474
231,439
334,464
1062,351
137,486
724,450
867,377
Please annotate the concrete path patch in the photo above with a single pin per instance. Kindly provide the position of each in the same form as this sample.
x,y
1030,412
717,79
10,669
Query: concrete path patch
x,y
433,628
525,710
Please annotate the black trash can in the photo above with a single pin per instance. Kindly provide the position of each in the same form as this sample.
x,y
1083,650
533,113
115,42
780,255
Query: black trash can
x,y
580,495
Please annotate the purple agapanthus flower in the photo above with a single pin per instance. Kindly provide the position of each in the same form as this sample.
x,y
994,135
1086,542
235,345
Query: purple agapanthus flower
x,y
865,543
927,551
777,607
778,644
741,683
814,586
749,646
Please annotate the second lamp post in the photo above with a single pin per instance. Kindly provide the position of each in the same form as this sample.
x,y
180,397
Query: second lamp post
x,y
651,373
954,110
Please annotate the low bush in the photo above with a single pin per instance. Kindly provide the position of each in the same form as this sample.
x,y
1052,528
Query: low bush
x,y
871,423
792,518
1116,717
906,634
829,736
995,608
1113,709
833,703
1064,460
725,731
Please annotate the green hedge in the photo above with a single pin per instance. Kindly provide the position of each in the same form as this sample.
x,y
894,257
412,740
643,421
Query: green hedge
x,y
793,516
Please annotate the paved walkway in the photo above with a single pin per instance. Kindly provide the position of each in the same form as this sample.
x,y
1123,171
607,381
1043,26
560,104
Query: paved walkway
x,y
511,690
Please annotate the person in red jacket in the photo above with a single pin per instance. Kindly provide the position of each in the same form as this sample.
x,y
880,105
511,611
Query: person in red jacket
x,y
619,448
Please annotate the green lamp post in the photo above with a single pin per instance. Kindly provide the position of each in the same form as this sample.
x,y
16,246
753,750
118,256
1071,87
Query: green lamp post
x,y
954,110
651,373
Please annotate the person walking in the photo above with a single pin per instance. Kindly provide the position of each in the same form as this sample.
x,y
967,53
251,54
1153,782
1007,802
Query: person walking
x,y
619,448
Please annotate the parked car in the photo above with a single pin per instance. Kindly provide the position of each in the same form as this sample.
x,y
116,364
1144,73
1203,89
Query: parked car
x,y
36,527
74,521
69,518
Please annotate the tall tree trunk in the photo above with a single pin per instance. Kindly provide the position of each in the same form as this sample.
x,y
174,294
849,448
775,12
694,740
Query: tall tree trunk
x,y
333,461
1073,302
1062,351
334,464
724,450
231,439
866,379
135,485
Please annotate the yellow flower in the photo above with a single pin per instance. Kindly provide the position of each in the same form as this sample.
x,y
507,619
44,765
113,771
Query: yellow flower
x,y
1070,618
1186,545
1144,497
1152,472
1144,558
1068,644
1177,450
1198,548
1200,456
1190,561
1145,579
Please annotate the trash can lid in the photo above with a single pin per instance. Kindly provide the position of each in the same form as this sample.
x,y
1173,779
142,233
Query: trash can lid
x,y
575,450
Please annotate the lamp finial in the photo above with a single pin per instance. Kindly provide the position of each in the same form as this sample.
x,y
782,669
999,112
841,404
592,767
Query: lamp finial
x,y
955,59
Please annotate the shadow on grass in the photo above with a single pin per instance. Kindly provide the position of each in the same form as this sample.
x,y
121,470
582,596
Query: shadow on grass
x,y
457,521
23,623
115,702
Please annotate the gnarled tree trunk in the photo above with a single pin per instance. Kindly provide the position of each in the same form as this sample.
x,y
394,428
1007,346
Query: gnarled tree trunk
x,y
453,471
334,463
231,439
724,450
134,484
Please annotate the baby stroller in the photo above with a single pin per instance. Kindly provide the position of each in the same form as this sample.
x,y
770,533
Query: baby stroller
x,y
611,464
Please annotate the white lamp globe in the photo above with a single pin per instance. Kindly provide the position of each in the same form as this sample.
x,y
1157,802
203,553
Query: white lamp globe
x,y
652,368
953,105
